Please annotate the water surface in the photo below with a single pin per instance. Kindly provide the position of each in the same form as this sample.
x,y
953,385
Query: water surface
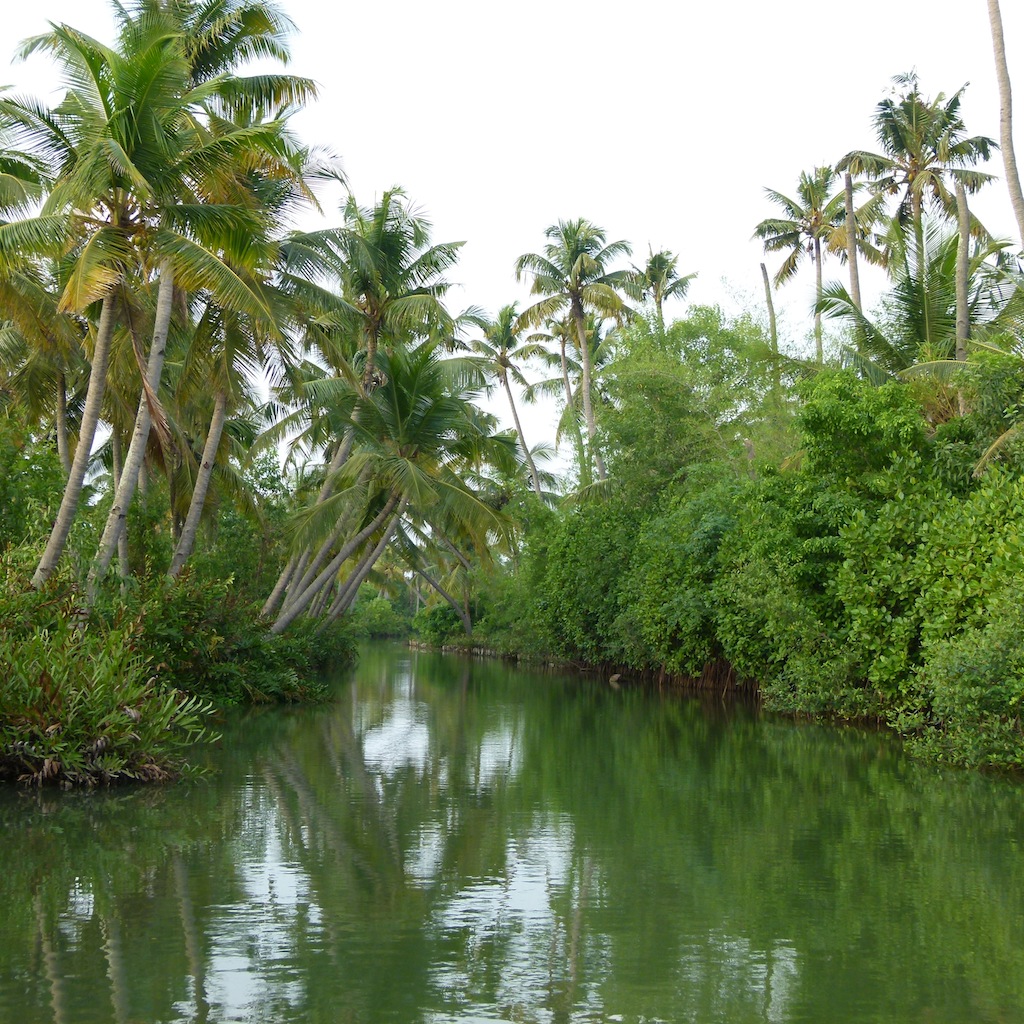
x,y
455,841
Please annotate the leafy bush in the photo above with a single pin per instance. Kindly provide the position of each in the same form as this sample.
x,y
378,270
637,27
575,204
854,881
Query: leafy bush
x,y
86,707
377,618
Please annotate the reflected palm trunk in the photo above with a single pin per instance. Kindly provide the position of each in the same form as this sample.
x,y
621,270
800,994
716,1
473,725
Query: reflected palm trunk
x,y
51,965
193,939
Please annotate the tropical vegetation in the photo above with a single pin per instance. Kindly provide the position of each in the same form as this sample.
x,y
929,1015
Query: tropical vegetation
x,y
282,438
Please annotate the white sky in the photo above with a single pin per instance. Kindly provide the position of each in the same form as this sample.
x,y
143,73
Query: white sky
x,y
661,122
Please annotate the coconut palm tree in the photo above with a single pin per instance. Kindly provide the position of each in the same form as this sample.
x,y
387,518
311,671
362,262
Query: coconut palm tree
x,y
574,276
1006,117
918,324
809,225
376,282
925,147
659,280
134,157
499,349
416,435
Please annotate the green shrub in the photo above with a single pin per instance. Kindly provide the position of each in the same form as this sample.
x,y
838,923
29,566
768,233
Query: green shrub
x,y
84,707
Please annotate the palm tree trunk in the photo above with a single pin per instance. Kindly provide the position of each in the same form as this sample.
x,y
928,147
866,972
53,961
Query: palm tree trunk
x,y
1006,116
773,331
963,322
187,541
123,567
61,424
818,349
522,437
565,372
851,241
303,599
86,435
351,587
290,572
588,407
279,588
462,613
140,435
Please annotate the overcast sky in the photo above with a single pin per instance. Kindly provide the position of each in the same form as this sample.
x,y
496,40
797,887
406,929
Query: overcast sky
x,y
661,122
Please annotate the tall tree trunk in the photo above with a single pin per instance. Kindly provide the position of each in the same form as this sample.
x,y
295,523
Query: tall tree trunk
x,y
462,613
565,371
773,330
140,435
522,436
86,435
290,573
123,567
588,407
818,349
303,599
351,586
1006,116
963,251
61,425
187,541
851,241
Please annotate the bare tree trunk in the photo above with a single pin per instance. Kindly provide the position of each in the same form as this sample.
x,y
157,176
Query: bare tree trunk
x,y
351,587
963,250
773,330
279,588
123,566
462,613
1006,116
290,573
522,437
90,418
61,425
818,349
588,406
140,435
303,600
851,242
186,542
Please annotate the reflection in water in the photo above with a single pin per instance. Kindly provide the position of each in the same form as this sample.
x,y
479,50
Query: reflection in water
x,y
453,842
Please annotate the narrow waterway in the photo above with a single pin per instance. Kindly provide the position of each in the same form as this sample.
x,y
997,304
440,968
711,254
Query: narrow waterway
x,y
455,841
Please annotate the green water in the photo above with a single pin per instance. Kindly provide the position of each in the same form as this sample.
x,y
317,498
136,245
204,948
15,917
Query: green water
x,y
454,841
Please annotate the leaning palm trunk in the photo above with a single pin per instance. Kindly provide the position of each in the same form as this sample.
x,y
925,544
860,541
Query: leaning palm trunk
x,y
463,614
123,567
61,425
963,323
140,435
304,599
87,432
522,437
187,541
851,241
296,569
357,578
588,408
1006,116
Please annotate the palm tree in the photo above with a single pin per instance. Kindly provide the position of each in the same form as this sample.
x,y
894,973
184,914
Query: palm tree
x,y
659,280
573,275
925,146
389,290
136,160
918,324
416,435
1006,116
499,349
810,222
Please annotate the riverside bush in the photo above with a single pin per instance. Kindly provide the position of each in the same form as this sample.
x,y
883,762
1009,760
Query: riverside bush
x,y
81,707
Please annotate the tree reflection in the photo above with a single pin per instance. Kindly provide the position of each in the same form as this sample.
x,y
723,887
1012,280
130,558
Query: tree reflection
x,y
449,840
